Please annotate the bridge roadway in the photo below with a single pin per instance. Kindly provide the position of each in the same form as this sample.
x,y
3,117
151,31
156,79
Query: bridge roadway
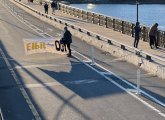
x,y
55,87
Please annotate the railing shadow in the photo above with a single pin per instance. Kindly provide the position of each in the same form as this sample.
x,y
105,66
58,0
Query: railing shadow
x,y
22,29
36,78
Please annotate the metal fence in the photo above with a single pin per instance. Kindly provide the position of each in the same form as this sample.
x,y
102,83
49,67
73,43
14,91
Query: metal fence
x,y
124,27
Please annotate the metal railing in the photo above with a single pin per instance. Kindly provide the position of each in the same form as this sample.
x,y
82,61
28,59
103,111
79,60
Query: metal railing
x,y
125,27
99,37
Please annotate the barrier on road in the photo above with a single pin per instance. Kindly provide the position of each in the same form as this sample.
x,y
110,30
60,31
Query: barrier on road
x,y
152,63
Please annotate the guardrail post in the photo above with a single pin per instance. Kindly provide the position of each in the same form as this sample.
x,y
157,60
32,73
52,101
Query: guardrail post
x,y
140,62
87,16
148,57
158,38
88,33
92,55
93,18
114,24
137,53
106,22
98,37
110,42
99,20
132,29
138,81
123,47
122,27
79,29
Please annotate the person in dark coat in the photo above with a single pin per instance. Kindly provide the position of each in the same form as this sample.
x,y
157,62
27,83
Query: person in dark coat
x,y
67,37
46,8
152,35
137,34
53,6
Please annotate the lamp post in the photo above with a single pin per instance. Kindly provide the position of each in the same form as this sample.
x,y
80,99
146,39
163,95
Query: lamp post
x,y
137,10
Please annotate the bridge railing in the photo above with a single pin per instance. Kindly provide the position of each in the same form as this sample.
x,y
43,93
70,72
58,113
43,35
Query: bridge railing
x,y
125,27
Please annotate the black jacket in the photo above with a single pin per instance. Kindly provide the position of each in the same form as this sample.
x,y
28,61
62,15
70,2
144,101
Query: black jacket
x,y
67,36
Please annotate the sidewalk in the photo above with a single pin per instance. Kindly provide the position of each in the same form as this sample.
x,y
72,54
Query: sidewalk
x,y
122,38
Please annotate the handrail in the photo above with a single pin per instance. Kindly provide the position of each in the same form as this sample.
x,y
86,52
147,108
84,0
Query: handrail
x,y
103,38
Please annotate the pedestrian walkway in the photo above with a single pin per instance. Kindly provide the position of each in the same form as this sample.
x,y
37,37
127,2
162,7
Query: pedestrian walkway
x,y
109,33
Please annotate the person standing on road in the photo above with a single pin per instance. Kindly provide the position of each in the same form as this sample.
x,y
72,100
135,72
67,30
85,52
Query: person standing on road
x,y
46,7
137,34
67,37
53,6
152,35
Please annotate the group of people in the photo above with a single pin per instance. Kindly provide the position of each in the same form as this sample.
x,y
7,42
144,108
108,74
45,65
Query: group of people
x,y
54,7
152,35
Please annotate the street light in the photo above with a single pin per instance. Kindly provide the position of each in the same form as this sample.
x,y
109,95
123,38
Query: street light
x,y
137,10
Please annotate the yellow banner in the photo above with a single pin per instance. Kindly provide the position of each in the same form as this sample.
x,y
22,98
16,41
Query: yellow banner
x,y
41,45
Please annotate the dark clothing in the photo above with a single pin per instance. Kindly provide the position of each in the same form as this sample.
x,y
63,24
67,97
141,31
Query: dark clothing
x,y
136,41
67,37
53,5
137,30
152,36
68,46
153,41
46,8
137,35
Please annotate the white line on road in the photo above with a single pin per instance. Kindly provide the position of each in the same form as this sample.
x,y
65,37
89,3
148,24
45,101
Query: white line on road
x,y
75,82
46,65
25,95
128,91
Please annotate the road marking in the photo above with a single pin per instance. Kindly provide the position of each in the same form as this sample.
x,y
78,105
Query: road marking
x,y
75,82
49,29
41,85
128,91
105,73
46,65
25,95
147,104
7,58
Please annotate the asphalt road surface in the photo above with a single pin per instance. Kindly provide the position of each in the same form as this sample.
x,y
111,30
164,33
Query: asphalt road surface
x,y
54,87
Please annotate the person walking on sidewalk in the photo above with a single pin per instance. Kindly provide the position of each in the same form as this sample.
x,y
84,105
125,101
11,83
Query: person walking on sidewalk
x,y
53,6
152,35
46,7
137,34
67,37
